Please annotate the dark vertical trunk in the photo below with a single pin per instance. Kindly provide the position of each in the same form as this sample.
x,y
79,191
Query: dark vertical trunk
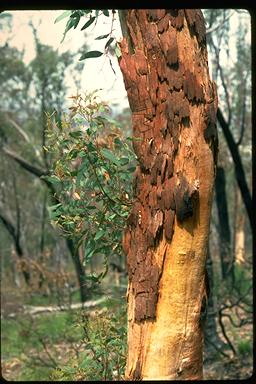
x,y
42,240
19,251
80,272
44,127
25,272
226,258
17,234
211,338
239,170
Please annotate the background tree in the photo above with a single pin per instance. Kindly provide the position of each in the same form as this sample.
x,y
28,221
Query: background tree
x,y
42,81
234,163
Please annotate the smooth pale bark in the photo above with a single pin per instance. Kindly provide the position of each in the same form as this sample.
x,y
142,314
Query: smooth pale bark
x,y
239,235
173,104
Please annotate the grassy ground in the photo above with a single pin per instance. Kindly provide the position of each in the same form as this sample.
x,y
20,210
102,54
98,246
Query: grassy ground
x,y
32,348
73,346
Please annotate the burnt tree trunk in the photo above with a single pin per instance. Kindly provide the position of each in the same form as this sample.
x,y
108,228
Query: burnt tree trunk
x,y
227,267
239,169
173,103
15,234
212,341
80,271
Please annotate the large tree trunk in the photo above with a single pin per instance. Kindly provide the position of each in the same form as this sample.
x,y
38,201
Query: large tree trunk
x,y
173,104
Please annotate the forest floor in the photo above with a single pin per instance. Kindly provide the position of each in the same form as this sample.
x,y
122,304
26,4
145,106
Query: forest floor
x,y
21,348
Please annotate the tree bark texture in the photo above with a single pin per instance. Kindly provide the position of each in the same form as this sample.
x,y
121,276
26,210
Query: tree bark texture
x,y
173,103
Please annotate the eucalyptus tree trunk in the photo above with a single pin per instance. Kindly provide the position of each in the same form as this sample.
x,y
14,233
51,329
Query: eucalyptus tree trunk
x,y
173,103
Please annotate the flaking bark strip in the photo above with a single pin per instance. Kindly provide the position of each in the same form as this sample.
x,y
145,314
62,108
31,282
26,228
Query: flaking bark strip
x,y
163,24
192,88
167,195
156,15
169,215
196,24
174,77
185,197
177,18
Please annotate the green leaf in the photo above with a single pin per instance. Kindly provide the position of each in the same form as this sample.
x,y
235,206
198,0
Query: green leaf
x,y
82,154
110,156
124,160
131,169
109,42
75,134
77,14
53,207
76,22
106,12
118,51
62,16
102,36
88,23
90,54
89,250
52,179
91,207
72,22
99,234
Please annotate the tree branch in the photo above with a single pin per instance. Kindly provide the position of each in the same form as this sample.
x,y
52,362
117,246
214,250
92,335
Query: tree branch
x,y
24,163
18,128
9,226
220,25
23,134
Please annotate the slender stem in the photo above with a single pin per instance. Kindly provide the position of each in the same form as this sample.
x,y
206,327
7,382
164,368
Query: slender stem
x,y
224,333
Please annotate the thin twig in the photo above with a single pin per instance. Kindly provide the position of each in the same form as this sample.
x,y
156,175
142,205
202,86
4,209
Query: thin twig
x,y
224,333
213,29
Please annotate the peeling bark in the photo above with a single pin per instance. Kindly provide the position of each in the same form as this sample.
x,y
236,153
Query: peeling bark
x,y
173,104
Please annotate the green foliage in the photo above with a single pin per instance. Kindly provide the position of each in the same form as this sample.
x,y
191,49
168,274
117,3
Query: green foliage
x,y
92,174
91,17
18,336
91,54
244,347
104,350
63,16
